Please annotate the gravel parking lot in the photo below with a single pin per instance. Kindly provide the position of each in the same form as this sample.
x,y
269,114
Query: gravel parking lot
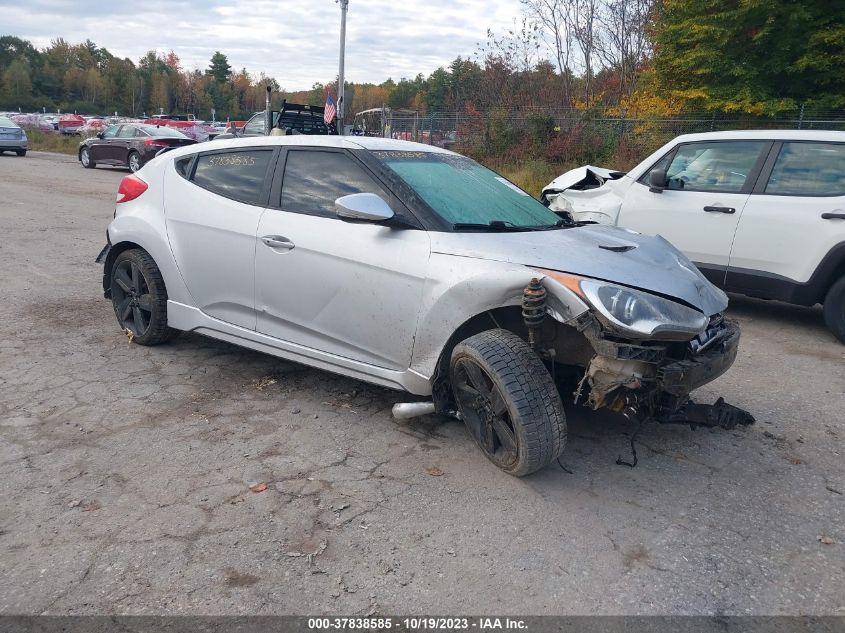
x,y
127,470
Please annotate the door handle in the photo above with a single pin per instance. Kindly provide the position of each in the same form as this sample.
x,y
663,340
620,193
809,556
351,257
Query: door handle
x,y
720,209
835,215
277,241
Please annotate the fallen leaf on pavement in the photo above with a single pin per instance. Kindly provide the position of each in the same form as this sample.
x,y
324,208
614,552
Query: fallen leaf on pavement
x,y
826,540
90,506
258,487
434,471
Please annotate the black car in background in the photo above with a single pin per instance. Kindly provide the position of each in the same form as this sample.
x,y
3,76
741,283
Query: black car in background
x,y
129,145
293,118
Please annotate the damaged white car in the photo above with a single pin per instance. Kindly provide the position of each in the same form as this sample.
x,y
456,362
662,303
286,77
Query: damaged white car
x,y
415,268
760,213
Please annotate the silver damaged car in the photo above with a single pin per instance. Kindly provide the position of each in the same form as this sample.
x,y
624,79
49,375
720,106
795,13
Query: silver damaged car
x,y
416,268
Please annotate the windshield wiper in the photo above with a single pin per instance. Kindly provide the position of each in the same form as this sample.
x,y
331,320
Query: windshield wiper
x,y
492,225
562,223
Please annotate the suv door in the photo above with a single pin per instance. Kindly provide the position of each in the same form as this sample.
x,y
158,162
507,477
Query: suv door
x,y
347,289
708,185
794,218
213,201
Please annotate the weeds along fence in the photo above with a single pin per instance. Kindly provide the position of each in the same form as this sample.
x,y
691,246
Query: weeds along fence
x,y
577,135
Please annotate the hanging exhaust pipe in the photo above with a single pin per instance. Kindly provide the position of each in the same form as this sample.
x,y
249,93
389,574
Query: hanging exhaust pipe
x,y
408,410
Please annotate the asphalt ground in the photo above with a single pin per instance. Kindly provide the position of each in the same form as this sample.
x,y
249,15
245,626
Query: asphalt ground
x,y
126,471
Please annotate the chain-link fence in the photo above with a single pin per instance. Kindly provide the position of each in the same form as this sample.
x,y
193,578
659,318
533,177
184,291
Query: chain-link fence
x,y
573,129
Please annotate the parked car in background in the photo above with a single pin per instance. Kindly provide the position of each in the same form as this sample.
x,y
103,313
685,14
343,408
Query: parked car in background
x,y
129,145
761,213
12,137
418,269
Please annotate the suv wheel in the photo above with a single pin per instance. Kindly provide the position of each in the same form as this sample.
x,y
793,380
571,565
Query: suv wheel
x,y
834,309
508,401
140,298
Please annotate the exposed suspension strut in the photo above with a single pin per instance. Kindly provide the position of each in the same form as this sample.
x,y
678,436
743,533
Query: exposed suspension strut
x,y
534,310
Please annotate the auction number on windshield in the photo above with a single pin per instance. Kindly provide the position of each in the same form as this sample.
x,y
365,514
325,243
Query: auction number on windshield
x,y
231,160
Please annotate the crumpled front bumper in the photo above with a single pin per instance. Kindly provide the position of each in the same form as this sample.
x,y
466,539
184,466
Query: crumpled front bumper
x,y
681,377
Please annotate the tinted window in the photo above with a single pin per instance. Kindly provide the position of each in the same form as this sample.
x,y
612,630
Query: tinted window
x,y
183,165
236,175
162,131
809,169
126,131
110,131
722,167
314,180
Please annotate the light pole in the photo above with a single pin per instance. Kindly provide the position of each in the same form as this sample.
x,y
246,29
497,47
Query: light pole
x,y
344,4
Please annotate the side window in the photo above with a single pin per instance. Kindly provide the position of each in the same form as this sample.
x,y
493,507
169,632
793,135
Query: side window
x,y
718,167
110,131
663,163
314,180
126,131
255,126
183,165
238,175
809,169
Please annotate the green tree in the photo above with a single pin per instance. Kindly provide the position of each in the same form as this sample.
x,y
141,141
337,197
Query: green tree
x,y
17,85
756,56
219,67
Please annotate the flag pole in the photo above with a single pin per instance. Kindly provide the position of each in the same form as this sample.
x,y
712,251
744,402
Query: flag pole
x,y
340,82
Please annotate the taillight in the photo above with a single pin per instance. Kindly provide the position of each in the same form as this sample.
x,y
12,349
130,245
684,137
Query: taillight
x,y
130,188
155,143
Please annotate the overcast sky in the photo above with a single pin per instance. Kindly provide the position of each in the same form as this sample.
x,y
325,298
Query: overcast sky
x,y
295,41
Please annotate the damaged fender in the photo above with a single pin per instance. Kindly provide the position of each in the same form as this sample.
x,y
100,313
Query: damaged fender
x,y
587,194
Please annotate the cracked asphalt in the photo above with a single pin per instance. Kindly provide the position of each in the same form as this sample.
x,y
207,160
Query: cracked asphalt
x,y
127,471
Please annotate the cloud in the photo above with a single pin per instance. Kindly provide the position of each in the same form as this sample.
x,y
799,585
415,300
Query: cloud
x,y
295,42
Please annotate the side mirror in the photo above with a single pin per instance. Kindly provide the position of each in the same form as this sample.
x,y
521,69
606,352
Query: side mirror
x,y
362,207
657,180
99,135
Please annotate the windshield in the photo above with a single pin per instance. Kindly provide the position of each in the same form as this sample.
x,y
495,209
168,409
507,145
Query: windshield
x,y
463,192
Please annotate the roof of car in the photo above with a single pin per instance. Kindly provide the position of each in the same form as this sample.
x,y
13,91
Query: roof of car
x,y
768,135
7,122
305,140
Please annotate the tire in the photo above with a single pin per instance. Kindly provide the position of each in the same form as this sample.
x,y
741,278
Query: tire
x,y
20,152
133,161
85,158
834,309
139,298
508,401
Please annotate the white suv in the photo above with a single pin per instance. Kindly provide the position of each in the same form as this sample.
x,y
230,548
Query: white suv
x,y
761,213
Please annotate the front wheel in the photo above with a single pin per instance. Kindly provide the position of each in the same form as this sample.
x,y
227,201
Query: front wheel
x,y
508,401
140,298
20,152
134,161
834,309
85,158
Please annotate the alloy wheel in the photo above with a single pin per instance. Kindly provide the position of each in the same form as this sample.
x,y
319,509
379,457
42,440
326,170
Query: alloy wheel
x,y
131,296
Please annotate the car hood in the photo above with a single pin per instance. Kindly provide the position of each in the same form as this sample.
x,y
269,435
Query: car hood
x,y
601,252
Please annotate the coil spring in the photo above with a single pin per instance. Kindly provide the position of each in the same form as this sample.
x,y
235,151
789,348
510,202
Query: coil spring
x,y
534,304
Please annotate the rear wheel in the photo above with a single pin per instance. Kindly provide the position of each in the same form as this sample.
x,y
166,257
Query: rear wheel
x,y
834,309
20,152
140,298
134,161
508,401
85,158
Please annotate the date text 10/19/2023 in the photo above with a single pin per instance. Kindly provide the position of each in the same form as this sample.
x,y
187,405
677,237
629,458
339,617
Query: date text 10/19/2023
x,y
417,624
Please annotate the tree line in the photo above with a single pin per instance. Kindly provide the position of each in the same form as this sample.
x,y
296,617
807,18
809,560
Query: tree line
x,y
756,57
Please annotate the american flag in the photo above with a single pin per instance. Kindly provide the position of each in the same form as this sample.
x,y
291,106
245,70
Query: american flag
x,y
330,111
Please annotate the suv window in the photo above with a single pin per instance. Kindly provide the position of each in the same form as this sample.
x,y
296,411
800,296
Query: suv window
x,y
809,169
238,175
314,180
110,131
719,167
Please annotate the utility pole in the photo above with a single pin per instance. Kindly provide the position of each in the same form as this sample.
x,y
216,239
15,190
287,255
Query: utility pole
x,y
341,105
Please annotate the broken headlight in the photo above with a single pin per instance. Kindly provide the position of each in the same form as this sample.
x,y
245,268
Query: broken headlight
x,y
642,314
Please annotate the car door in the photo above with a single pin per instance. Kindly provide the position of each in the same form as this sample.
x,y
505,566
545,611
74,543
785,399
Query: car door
x,y
708,185
794,217
122,143
348,289
101,148
213,201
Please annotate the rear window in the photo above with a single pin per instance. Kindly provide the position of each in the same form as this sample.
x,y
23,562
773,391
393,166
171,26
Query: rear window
x,y
238,175
162,131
